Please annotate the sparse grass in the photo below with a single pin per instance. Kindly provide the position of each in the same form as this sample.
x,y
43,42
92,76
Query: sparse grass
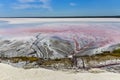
x,y
102,56
116,51
64,61
20,59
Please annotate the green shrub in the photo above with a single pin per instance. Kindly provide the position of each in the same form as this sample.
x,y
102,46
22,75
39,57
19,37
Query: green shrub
x,y
116,51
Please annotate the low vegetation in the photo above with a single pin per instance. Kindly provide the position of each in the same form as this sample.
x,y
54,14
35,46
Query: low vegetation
x,y
20,59
67,62
64,62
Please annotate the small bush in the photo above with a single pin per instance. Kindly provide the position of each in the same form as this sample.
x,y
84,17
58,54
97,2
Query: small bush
x,y
116,51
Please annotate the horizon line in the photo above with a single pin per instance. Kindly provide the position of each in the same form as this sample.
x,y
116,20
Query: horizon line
x,y
65,17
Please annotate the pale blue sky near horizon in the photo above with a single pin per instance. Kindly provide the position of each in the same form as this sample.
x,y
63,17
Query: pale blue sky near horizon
x,y
44,8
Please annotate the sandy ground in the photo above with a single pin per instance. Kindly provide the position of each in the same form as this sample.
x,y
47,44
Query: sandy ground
x,y
8,72
32,20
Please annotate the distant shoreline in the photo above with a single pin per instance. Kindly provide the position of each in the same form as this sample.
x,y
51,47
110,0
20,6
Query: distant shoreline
x,y
68,17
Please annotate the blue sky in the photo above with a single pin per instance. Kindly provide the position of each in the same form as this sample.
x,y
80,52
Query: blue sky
x,y
35,8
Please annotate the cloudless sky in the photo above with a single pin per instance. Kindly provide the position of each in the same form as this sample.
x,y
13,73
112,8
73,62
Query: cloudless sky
x,y
40,8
